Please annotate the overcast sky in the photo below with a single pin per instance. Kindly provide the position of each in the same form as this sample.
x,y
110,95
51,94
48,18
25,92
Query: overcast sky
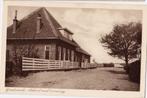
x,y
88,25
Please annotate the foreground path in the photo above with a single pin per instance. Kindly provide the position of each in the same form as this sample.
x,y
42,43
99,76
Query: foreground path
x,y
95,79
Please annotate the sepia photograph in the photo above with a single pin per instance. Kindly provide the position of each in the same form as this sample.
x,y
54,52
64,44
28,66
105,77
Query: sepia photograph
x,y
73,48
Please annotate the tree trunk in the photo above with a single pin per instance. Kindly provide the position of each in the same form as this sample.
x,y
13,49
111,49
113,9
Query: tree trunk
x,y
126,61
127,65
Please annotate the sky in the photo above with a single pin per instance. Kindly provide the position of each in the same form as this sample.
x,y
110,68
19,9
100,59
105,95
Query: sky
x,y
87,24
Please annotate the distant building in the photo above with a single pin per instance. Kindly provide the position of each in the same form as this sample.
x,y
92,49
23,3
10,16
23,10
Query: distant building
x,y
44,37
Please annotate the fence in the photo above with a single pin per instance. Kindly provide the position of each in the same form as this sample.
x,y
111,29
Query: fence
x,y
30,64
88,65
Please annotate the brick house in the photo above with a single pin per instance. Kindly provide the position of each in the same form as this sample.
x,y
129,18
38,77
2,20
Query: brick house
x,y
39,35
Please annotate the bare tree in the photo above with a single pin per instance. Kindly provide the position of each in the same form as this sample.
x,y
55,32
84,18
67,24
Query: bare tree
x,y
20,51
124,41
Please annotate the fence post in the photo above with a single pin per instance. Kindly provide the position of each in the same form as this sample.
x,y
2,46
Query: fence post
x,y
48,64
67,64
21,63
33,63
62,66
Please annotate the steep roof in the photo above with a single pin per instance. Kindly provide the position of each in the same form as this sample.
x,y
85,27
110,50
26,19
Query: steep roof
x,y
79,49
26,28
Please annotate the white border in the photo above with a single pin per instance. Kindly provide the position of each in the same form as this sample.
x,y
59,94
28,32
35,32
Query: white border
x,y
71,92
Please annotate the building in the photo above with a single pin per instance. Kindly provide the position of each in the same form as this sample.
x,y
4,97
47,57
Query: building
x,y
39,35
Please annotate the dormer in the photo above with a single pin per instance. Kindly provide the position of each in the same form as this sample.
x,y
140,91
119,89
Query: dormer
x,y
66,33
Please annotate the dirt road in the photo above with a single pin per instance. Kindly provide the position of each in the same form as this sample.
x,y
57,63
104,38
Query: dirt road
x,y
94,79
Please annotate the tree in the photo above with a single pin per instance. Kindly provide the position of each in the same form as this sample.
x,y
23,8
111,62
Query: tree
x,y
20,50
123,41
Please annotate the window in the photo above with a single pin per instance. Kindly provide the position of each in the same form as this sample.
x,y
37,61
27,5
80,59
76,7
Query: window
x,y
64,53
86,60
68,54
47,52
50,52
83,58
59,53
72,55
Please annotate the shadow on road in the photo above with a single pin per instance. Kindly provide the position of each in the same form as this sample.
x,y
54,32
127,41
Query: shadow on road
x,y
117,72
124,78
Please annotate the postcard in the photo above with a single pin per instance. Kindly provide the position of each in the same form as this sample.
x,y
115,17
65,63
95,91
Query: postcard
x,y
74,49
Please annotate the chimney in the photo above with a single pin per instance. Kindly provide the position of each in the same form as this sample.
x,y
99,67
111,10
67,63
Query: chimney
x,y
15,22
38,23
